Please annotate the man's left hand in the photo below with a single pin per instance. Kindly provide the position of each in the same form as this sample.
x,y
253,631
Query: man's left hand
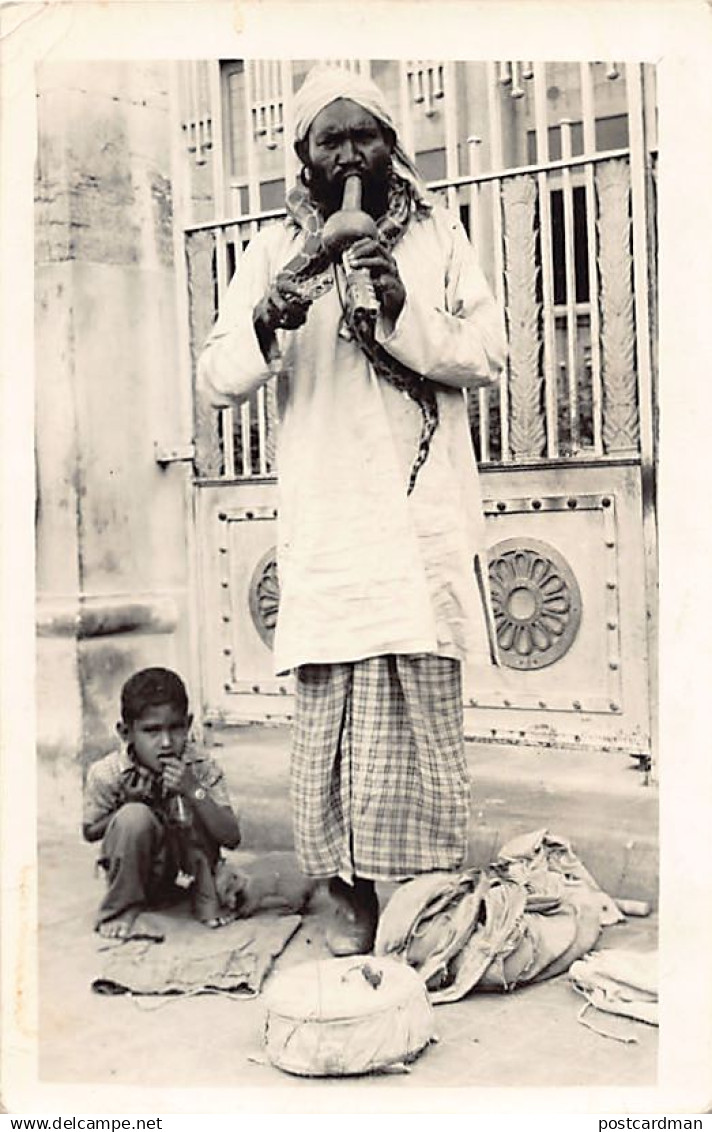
x,y
375,258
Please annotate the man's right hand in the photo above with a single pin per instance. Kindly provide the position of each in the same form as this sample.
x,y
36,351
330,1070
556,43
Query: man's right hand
x,y
282,308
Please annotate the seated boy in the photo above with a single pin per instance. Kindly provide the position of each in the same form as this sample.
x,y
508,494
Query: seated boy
x,y
159,807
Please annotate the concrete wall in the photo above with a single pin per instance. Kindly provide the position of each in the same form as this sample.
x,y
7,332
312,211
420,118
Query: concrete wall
x,y
112,525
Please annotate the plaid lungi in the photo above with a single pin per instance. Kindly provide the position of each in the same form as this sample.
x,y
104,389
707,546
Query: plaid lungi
x,y
379,779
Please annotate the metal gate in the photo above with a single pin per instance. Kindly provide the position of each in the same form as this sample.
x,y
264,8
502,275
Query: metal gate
x,y
552,170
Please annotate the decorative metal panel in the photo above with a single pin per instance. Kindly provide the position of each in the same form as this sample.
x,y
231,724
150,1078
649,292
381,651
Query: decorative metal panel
x,y
527,435
264,596
620,408
536,602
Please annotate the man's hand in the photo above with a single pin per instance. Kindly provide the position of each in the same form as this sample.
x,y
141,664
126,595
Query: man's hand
x,y
283,307
375,257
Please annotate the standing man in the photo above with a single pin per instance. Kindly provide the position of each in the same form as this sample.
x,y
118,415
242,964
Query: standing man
x,y
382,553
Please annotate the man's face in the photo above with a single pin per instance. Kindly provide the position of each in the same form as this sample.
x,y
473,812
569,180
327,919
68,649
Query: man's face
x,y
344,138
161,731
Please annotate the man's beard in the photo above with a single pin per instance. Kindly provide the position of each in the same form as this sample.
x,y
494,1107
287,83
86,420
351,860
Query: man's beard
x,y
328,193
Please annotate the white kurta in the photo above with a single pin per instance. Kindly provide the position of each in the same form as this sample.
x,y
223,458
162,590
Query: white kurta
x,y
364,569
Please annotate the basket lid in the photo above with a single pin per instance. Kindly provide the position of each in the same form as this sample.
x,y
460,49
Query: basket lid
x,y
337,989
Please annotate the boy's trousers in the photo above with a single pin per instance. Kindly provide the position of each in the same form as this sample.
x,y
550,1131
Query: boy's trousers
x,y
142,856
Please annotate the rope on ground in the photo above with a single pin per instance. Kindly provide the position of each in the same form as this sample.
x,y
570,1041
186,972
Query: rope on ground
x,y
179,996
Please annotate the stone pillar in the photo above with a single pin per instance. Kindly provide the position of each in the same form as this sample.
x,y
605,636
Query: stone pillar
x,y
113,529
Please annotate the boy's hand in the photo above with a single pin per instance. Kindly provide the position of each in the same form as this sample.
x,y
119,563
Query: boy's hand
x,y
139,794
177,777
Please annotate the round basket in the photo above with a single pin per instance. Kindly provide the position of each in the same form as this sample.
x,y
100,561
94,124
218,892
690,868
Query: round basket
x,y
341,1017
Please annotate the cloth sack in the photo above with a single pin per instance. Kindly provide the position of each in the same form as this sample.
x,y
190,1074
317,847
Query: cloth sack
x,y
548,867
618,981
520,922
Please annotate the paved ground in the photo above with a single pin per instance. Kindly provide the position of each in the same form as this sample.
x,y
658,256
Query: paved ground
x,y
529,1037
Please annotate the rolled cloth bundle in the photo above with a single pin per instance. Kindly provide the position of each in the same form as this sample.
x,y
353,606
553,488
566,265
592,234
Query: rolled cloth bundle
x,y
324,85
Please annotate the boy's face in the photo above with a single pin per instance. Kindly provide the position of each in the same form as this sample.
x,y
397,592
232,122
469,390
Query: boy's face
x,y
160,732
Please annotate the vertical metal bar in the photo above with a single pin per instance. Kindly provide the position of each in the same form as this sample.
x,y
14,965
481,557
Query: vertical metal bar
x,y
547,275
245,421
450,100
589,147
570,269
221,263
495,131
498,242
262,430
227,415
228,434
253,203
245,468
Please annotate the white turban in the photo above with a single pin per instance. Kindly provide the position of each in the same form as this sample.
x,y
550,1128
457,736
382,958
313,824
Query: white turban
x,y
323,85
